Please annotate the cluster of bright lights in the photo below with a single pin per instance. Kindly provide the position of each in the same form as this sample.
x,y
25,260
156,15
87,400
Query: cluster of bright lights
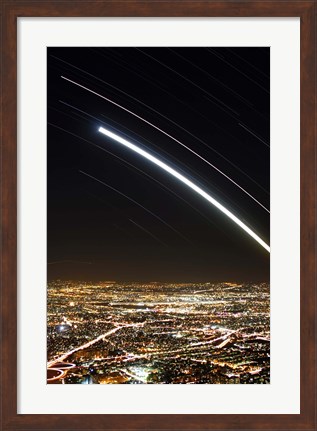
x,y
185,181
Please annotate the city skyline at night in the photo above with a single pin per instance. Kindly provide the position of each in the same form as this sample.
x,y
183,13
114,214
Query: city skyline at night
x,y
158,228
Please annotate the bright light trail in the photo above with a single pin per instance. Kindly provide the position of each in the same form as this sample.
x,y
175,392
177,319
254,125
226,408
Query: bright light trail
x,y
186,181
169,136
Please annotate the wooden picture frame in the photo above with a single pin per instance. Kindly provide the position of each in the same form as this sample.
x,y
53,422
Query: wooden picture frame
x,y
13,9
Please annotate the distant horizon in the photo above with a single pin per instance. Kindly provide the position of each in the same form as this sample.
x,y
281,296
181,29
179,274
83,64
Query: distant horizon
x,y
157,281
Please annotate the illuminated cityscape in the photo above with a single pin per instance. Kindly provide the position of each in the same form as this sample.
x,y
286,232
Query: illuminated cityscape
x,y
158,215
158,333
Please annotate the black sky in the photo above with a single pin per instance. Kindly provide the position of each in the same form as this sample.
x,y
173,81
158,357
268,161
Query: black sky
x,y
215,101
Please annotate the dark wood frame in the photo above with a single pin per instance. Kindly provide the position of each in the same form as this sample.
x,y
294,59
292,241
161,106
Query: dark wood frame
x,y
13,9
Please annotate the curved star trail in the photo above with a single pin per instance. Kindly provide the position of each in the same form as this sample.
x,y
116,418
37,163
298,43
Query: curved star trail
x,y
149,233
136,203
187,182
169,136
142,172
142,104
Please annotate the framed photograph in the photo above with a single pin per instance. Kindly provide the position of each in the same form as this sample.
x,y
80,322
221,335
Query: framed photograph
x,y
158,215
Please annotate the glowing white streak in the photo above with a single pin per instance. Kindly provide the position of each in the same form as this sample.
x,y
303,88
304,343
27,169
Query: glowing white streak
x,y
169,136
186,181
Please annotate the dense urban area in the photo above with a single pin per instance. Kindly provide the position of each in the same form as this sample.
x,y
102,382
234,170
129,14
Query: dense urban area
x,y
158,333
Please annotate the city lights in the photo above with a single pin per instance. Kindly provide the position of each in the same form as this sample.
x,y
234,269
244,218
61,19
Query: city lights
x,y
159,333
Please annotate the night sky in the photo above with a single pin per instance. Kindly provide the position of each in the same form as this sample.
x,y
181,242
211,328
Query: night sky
x,y
112,215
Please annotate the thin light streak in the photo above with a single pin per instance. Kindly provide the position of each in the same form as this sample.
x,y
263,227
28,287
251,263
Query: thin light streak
x,y
167,118
209,95
169,136
252,133
134,167
149,233
186,181
137,203
147,175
